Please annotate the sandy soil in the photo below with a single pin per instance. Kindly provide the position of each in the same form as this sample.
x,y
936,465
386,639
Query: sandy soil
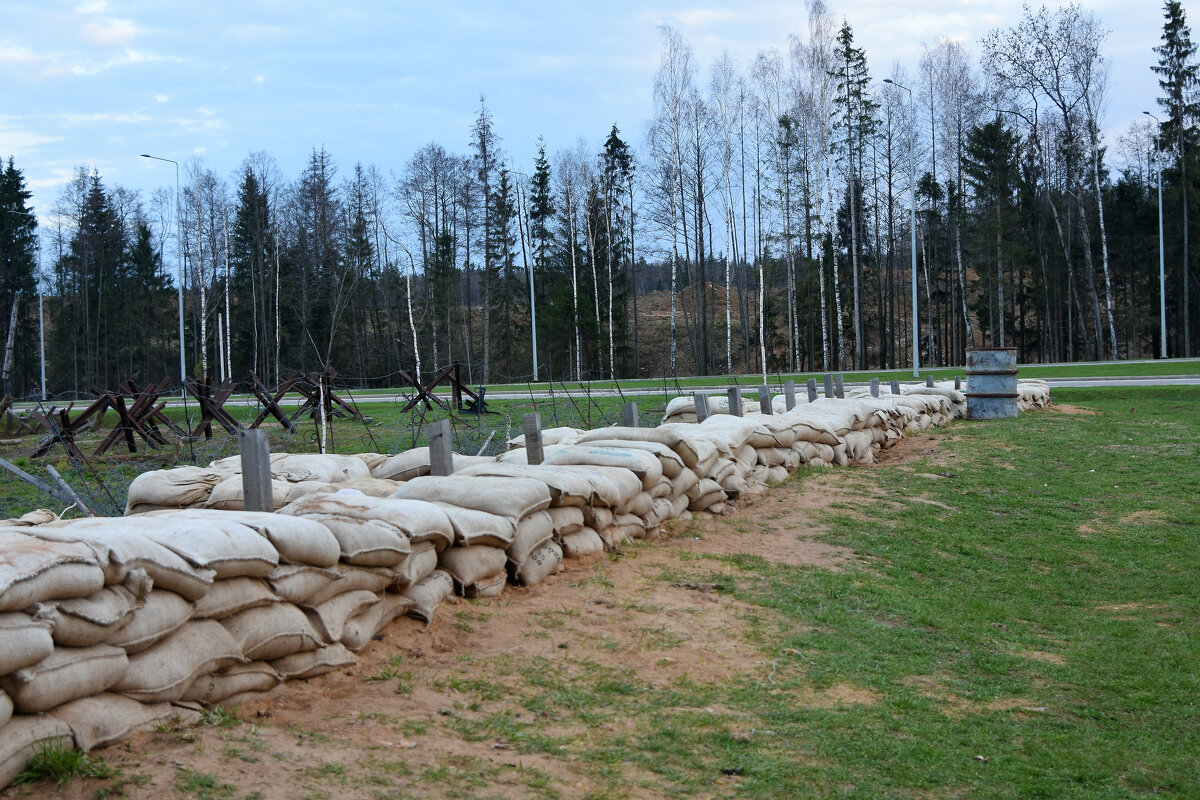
x,y
345,735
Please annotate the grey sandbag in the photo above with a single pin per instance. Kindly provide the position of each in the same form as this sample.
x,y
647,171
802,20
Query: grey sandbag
x,y
34,570
65,675
428,593
566,520
488,587
24,640
532,532
161,614
472,564
103,719
272,632
542,563
581,543
162,673
311,663
505,497
23,737
329,618
6,708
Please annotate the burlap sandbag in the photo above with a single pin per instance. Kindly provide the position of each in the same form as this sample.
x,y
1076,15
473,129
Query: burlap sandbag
x,y
421,562
668,459
86,621
160,614
24,640
597,517
469,565
506,497
704,495
371,460
479,527
228,548
127,548
567,488
611,487
315,467
640,462
34,570
566,520
229,494
232,596
532,532
329,618
404,466
312,663
639,505
297,583
163,672
549,436
428,593
488,587
582,542
255,676
362,628
23,737
296,539
103,719
417,520
6,708
179,487
350,578
270,632
65,675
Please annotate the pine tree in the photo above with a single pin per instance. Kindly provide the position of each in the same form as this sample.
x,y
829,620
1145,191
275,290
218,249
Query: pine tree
x,y
18,264
1179,75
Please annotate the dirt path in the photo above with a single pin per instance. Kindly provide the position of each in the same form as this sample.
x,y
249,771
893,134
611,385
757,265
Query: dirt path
x,y
418,715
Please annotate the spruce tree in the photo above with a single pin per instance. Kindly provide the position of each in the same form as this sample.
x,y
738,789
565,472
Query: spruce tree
x,y
18,265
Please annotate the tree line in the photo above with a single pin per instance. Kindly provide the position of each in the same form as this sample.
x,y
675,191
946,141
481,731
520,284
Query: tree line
x,y
762,225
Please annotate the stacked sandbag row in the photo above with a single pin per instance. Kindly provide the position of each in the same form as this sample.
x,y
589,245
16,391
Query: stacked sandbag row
x,y
1032,394
219,485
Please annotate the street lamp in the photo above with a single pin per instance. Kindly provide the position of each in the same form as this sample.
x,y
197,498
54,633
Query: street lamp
x,y
1162,258
179,260
912,187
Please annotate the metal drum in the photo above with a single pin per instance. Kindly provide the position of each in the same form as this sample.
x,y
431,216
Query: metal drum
x,y
991,382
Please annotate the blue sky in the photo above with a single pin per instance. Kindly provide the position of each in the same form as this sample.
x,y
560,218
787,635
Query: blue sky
x,y
96,82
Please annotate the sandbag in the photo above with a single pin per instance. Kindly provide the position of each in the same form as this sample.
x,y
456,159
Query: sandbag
x,y
271,632
640,505
40,516
23,737
506,497
295,539
532,532
479,527
597,517
160,614
641,463
705,494
229,494
428,593
421,562
24,640
581,543
367,542
417,521
668,459
686,480
296,583
469,565
350,579
228,548
127,548
86,621
371,460
565,519
567,488
371,487
179,487
312,663
540,564
404,466
329,618
163,672
6,708
66,674
611,487
255,676
690,450
549,436
34,570
295,467
105,718
488,587
232,596
362,628
661,511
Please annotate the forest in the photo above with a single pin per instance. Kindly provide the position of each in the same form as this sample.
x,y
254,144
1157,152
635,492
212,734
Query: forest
x,y
768,218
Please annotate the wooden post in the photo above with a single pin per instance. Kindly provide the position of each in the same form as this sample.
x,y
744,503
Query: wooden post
x,y
629,415
895,387
441,455
874,387
701,401
256,471
533,438
789,394
839,386
812,390
828,384
764,400
735,400
929,381
957,382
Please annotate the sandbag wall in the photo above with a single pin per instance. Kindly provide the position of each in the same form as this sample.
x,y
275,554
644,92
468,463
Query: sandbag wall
x,y
108,625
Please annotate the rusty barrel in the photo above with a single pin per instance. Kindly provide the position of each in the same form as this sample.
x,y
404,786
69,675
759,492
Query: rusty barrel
x,y
991,382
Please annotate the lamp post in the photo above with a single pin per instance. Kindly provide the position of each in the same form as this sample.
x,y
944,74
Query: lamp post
x,y
912,188
179,259
1162,258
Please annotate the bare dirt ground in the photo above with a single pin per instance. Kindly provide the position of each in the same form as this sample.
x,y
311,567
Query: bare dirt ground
x,y
392,725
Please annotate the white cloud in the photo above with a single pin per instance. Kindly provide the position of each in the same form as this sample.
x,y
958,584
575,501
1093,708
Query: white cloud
x,y
121,117
162,98
125,59
91,7
259,79
703,17
110,33
19,142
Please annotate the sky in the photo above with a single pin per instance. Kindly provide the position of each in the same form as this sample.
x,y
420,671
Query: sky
x,y
95,83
